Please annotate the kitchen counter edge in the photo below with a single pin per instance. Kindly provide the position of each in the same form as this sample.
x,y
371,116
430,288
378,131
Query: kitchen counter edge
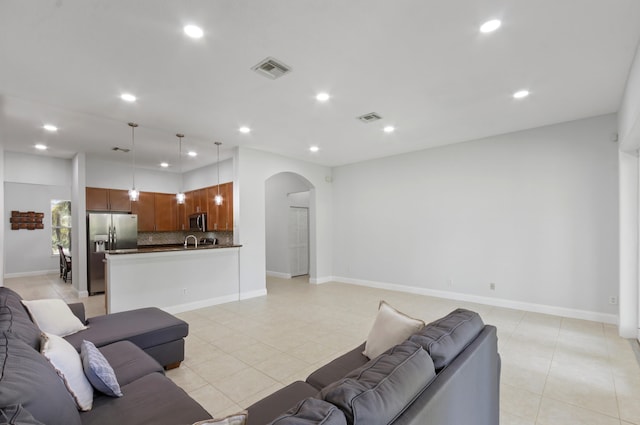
x,y
168,249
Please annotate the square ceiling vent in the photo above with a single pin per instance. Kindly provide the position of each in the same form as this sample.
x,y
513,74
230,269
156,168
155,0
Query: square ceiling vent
x,y
370,117
271,68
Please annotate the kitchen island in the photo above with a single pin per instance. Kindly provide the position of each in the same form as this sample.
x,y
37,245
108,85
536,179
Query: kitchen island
x,y
173,278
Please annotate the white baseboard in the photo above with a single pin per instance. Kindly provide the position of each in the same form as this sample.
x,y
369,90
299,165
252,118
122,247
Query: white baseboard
x,y
497,302
33,273
180,308
321,280
278,274
253,294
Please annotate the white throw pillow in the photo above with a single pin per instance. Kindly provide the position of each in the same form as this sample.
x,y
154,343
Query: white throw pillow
x,y
66,361
390,328
54,316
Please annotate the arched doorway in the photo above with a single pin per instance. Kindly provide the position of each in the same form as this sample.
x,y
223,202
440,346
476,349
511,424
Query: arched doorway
x,y
289,215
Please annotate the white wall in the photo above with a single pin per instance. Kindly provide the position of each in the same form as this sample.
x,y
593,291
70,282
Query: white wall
x,y
113,175
277,219
534,212
2,216
251,170
629,113
30,183
208,175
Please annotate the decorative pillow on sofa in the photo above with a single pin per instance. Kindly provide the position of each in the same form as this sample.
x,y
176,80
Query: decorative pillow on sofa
x,y
311,411
235,419
66,361
445,338
54,317
27,378
17,415
390,328
380,390
98,370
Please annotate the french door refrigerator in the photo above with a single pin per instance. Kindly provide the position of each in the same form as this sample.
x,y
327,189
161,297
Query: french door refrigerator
x,y
106,232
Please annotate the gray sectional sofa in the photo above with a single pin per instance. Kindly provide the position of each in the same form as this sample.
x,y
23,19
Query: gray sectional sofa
x,y
136,344
448,373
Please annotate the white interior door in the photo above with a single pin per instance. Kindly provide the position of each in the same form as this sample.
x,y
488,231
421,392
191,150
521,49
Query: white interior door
x,y
299,241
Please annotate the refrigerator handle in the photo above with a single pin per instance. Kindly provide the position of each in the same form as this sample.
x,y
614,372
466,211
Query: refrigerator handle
x,y
115,239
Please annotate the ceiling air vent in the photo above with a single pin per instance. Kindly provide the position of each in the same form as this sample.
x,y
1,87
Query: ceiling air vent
x,y
370,117
117,149
271,68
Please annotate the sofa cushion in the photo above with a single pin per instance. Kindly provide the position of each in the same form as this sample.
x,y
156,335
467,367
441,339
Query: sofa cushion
x,y
338,368
67,363
15,318
28,379
98,370
380,390
54,316
145,327
129,362
17,415
152,399
445,338
272,406
312,411
390,327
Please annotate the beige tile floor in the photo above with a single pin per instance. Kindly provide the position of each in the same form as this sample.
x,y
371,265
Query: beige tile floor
x,y
554,370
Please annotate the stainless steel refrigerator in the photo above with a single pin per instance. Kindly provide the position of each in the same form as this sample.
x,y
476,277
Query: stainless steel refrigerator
x,y
107,232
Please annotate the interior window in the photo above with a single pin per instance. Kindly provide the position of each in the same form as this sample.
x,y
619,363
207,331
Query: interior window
x,y
60,225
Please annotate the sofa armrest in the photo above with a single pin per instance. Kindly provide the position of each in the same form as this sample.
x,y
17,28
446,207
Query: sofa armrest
x,y
78,310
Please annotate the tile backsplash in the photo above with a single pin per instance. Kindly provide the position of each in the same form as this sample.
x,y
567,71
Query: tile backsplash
x,y
165,238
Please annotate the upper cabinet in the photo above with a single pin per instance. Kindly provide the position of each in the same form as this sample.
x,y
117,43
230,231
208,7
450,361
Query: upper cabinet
x,y
220,217
195,201
99,199
157,212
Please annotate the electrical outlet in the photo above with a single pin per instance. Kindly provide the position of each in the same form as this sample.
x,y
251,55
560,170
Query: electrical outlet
x,y
184,291
613,300
492,286
450,282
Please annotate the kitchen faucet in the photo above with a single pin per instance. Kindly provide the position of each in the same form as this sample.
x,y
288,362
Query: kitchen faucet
x,y
187,240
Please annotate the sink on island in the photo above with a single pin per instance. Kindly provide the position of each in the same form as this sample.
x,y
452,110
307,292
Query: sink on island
x,y
174,278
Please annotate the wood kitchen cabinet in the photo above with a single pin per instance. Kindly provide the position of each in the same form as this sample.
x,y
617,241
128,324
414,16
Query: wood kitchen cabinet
x,y
220,217
157,212
99,199
145,208
195,201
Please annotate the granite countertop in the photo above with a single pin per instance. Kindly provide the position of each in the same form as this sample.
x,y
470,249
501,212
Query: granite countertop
x,y
167,248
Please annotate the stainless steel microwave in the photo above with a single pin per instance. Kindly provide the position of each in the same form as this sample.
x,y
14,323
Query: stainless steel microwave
x,y
198,222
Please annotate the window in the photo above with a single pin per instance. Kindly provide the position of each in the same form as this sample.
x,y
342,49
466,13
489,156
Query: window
x,y
60,225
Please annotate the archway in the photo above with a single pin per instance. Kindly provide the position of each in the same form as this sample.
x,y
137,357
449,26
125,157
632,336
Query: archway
x,y
289,222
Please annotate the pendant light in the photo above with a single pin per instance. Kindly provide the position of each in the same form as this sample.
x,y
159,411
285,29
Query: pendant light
x,y
133,193
218,197
180,195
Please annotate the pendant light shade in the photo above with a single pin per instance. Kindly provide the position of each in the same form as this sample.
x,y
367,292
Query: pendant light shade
x,y
180,195
133,193
218,198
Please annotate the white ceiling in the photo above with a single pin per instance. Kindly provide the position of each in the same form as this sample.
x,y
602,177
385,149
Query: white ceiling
x,y
422,64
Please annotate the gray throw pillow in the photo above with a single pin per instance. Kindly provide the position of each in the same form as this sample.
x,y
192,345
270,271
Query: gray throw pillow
x,y
312,411
17,415
379,391
445,338
27,378
98,370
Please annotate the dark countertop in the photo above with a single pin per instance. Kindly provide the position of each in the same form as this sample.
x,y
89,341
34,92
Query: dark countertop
x,y
167,248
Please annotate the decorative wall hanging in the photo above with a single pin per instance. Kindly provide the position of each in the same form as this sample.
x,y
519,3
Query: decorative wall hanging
x,y
26,220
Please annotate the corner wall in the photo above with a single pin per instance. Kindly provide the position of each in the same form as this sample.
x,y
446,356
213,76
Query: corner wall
x,y
2,216
533,212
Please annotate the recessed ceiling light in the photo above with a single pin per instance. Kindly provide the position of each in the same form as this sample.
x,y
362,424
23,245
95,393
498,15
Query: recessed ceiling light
x,y
244,130
41,147
322,97
389,129
50,127
128,97
314,149
192,153
490,26
521,94
193,31
164,164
